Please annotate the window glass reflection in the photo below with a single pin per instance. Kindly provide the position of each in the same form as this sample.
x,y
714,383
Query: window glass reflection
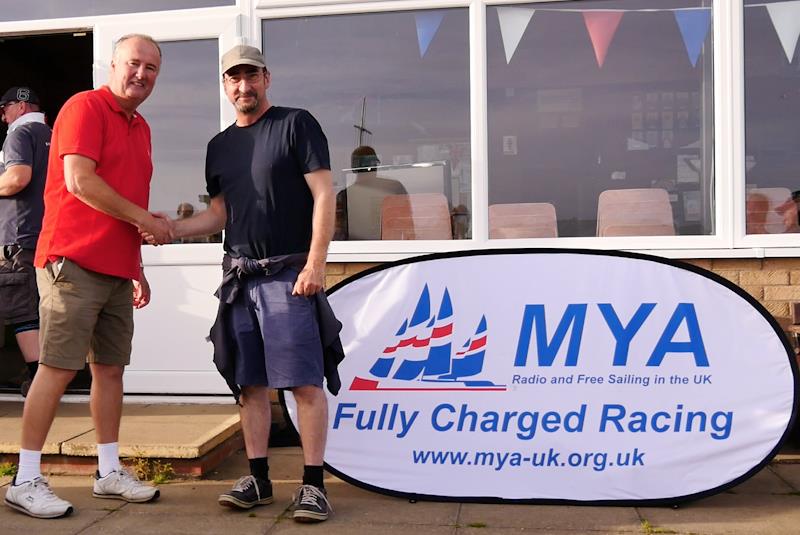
x,y
53,9
183,113
772,108
391,91
600,118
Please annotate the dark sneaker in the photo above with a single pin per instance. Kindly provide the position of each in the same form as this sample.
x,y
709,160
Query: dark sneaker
x,y
248,492
311,504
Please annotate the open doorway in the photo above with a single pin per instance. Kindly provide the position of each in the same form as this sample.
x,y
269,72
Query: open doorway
x,y
55,66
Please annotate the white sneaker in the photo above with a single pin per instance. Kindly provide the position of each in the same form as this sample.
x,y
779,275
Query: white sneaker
x,y
121,485
36,498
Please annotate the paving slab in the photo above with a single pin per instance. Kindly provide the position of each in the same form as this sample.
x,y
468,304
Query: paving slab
x,y
153,523
360,506
550,517
538,531
78,491
336,526
166,431
14,522
72,420
789,473
732,514
189,497
764,482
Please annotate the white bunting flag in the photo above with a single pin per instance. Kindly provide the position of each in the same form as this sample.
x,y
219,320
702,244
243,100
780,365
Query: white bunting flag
x,y
513,23
785,17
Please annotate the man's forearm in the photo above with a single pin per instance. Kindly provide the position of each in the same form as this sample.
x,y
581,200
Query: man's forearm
x,y
94,191
206,222
322,226
14,179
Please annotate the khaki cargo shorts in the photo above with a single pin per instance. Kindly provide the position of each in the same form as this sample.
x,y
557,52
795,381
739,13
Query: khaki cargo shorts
x,y
84,316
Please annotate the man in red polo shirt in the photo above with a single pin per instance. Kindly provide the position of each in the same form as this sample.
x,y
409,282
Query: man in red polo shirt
x,y
89,270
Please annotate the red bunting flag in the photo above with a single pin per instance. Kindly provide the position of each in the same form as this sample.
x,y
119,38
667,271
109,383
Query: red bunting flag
x,y
602,25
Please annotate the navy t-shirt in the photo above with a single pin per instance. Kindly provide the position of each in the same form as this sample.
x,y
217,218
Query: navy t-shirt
x,y
259,169
21,214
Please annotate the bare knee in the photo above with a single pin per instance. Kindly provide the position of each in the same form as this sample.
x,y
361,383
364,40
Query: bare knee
x,y
308,395
106,372
254,395
54,375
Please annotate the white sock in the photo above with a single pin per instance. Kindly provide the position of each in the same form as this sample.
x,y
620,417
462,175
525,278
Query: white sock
x,y
107,458
30,465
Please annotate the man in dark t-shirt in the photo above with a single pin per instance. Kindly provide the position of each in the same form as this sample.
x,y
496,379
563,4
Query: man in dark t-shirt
x,y
268,176
22,178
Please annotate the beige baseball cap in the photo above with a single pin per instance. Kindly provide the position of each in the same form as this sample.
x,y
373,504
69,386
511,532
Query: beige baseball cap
x,y
242,55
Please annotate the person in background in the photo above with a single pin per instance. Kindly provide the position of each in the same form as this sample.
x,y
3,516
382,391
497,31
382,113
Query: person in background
x,y
24,170
184,211
790,212
358,206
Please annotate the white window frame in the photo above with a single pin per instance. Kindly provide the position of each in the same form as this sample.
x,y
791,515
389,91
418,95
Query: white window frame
x,y
728,240
242,23
772,245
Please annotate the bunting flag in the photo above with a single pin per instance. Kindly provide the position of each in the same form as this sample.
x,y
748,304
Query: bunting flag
x,y
694,24
785,17
513,23
427,26
601,25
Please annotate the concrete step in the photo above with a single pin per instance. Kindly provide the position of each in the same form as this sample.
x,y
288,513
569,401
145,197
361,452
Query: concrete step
x,y
193,439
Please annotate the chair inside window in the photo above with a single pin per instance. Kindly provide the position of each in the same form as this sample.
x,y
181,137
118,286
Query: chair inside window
x,y
762,215
417,216
522,220
635,212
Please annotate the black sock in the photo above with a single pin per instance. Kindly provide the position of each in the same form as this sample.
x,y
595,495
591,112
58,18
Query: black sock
x,y
32,368
260,468
312,475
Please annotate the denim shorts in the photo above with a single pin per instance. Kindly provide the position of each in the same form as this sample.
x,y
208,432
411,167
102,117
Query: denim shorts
x,y
277,334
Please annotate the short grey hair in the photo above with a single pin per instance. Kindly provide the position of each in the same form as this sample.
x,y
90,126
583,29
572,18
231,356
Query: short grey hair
x,y
142,36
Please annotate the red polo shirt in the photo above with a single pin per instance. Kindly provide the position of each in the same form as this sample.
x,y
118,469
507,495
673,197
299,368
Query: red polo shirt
x,y
93,125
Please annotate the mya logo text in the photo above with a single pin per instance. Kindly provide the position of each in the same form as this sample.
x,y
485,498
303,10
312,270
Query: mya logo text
x,y
421,357
623,331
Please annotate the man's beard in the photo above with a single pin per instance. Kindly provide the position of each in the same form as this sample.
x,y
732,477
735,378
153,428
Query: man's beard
x,y
248,107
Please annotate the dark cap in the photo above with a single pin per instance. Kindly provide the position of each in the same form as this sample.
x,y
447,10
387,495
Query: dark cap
x,y
242,55
19,94
364,157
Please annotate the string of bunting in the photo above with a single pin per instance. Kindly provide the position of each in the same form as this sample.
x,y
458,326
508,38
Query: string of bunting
x,y
602,25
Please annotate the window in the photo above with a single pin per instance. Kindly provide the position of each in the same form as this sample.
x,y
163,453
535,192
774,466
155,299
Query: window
x,y
601,114
51,9
391,91
183,113
772,108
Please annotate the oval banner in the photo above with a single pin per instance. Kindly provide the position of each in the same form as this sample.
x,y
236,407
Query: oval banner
x,y
555,376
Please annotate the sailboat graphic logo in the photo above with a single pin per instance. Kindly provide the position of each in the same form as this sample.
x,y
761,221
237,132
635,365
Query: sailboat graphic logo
x,y
422,356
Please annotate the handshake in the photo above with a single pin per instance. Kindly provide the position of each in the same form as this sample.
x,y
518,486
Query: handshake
x,y
157,229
